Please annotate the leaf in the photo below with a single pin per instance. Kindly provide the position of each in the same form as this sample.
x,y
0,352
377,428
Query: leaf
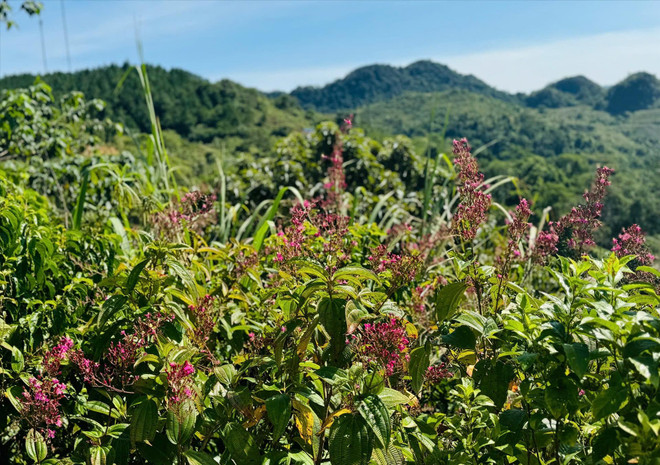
x,y
356,272
331,419
241,444
493,378
374,412
609,401
462,337
647,367
98,455
419,363
304,417
225,374
17,360
80,204
577,355
639,345
199,458
278,409
448,299
389,456
144,422
333,318
604,444
350,441
35,445
392,398
159,452
133,277
180,425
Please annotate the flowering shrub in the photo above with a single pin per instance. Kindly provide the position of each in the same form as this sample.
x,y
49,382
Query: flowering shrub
x,y
322,337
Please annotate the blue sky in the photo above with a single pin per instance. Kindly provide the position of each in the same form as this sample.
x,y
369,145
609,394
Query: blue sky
x,y
513,45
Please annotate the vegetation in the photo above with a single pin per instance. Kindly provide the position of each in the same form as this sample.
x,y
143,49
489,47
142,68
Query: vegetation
x,y
343,301
552,139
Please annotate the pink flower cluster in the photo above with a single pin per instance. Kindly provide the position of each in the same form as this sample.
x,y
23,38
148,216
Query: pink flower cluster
x,y
204,315
401,269
336,177
192,211
474,203
41,404
301,238
632,241
54,357
384,343
575,230
115,371
435,373
180,382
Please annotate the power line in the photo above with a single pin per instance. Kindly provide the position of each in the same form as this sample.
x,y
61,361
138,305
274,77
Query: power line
x,y
66,36
43,45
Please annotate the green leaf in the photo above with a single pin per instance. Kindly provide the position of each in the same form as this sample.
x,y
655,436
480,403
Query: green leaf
x,y
35,445
377,416
159,452
577,355
356,272
278,409
609,401
17,360
493,379
448,299
419,363
226,374
389,456
640,345
332,316
144,422
604,444
241,444
133,277
462,337
180,424
98,455
350,441
391,397
80,204
199,458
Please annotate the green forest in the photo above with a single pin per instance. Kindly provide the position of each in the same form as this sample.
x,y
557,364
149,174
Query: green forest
x,y
406,266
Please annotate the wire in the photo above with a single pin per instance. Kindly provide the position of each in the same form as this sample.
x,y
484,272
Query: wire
x,y
43,45
66,36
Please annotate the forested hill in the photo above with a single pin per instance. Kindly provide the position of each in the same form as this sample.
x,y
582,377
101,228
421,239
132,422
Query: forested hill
x,y
195,108
375,83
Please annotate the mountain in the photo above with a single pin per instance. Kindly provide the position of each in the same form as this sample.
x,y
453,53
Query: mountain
x,y
639,91
195,108
375,83
577,90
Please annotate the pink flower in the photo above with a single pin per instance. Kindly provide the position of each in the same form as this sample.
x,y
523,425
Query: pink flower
x,y
632,241
474,203
385,344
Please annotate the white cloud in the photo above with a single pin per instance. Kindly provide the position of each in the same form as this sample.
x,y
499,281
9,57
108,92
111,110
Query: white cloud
x,y
604,58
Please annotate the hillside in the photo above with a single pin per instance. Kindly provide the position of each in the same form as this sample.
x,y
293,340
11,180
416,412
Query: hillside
x,y
577,90
553,151
195,108
381,82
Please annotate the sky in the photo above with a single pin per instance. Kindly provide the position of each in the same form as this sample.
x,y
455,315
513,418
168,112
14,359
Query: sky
x,y
516,46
